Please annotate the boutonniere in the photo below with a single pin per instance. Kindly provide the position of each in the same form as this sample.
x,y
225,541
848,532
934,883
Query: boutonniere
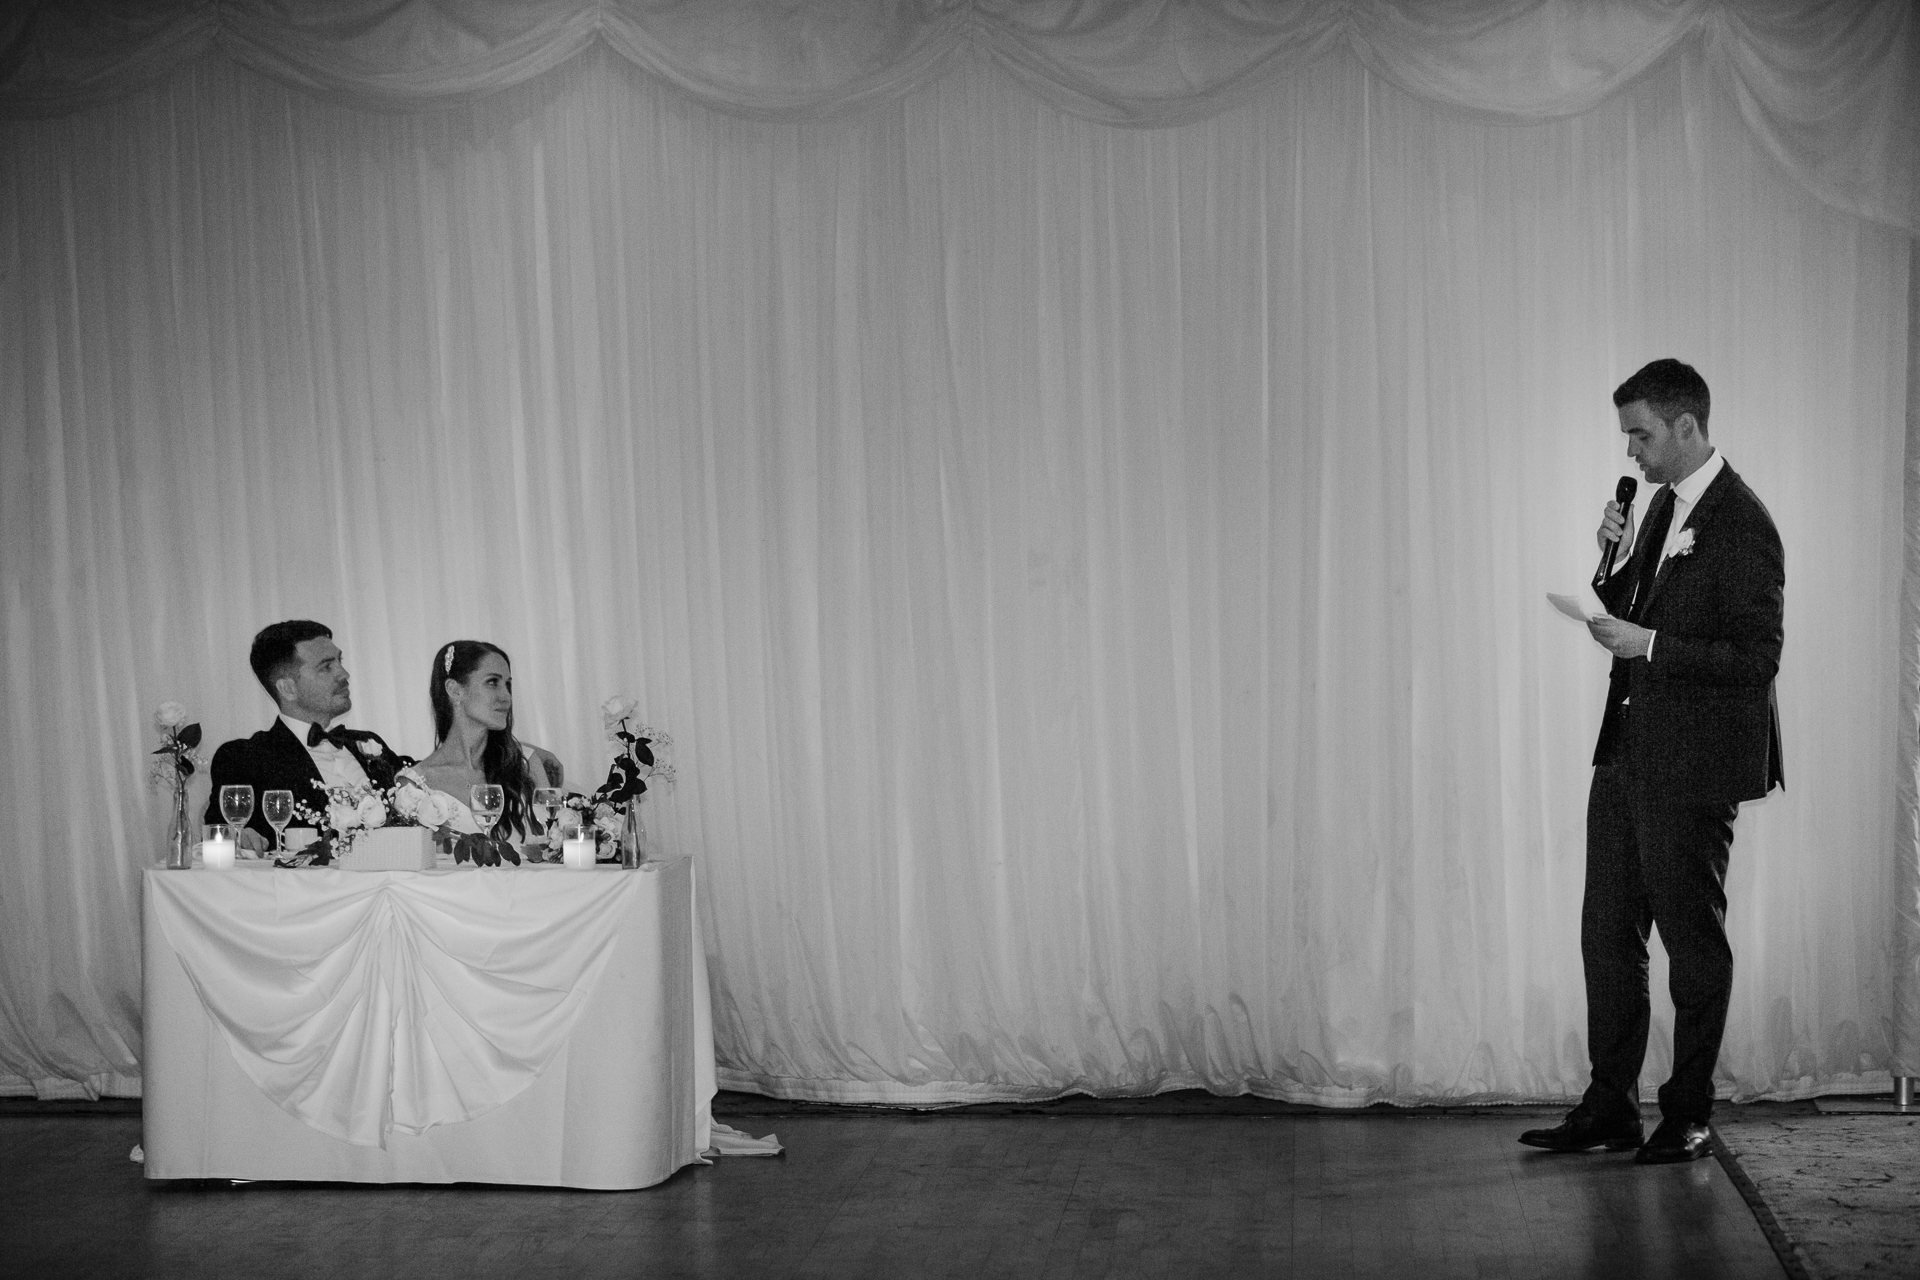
x,y
1682,545
368,747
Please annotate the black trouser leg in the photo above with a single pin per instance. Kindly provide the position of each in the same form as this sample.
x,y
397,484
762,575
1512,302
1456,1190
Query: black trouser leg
x,y
1614,919
1683,863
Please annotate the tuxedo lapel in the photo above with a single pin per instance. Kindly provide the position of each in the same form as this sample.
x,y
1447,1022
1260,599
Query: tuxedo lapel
x,y
292,752
1697,520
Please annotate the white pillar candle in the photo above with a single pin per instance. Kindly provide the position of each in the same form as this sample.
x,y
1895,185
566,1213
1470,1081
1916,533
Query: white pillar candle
x,y
577,853
216,854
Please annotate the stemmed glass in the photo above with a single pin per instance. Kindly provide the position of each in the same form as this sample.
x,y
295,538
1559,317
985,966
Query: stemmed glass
x,y
546,804
277,808
236,806
489,801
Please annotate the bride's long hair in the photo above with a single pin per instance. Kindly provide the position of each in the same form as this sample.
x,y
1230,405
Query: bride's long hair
x,y
501,760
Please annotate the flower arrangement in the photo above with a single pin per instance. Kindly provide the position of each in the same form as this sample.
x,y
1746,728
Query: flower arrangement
x,y
179,756
351,812
179,742
633,762
604,813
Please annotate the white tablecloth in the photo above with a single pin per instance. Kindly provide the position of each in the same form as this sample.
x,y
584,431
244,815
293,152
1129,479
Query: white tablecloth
x,y
528,1025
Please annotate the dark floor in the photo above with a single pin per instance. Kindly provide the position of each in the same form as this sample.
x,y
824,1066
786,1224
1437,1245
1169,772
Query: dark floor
x,y
1208,1189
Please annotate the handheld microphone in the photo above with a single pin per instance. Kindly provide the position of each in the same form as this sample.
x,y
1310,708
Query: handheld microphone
x,y
1622,494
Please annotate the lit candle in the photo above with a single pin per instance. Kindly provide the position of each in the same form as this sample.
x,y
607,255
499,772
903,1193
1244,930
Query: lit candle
x,y
216,854
577,852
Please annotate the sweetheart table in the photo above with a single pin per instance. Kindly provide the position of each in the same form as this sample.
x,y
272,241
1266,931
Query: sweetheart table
x,y
531,1025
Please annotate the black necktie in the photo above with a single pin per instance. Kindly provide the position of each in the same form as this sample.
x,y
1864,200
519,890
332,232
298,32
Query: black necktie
x,y
1653,541
337,736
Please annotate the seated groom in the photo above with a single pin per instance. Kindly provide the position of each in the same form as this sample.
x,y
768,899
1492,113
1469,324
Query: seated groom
x,y
303,751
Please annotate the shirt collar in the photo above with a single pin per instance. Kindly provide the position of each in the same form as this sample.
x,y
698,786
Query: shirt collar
x,y
1690,489
300,727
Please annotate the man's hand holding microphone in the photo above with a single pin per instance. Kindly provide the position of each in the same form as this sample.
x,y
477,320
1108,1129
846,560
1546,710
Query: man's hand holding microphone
x,y
1619,637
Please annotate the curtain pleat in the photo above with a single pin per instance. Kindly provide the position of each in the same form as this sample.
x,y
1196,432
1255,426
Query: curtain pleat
x,y
1093,576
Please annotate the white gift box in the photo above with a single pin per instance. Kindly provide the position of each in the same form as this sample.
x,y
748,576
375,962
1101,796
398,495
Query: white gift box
x,y
392,849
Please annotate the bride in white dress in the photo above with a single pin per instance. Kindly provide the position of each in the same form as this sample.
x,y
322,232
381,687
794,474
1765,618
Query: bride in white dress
x,y
472,693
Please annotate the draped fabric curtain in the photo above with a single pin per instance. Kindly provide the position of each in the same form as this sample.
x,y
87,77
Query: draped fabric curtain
x,y
1831,88
1093,575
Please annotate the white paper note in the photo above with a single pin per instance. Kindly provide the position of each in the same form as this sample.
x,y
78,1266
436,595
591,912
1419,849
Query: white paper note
x,y
1581,606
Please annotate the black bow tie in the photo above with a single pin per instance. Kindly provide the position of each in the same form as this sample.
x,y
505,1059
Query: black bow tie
x,y
338,736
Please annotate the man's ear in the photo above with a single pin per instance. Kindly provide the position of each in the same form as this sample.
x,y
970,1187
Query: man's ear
x,y
286,690
1686,426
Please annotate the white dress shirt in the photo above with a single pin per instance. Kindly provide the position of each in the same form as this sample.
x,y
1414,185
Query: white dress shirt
x,y
337,768
1685,494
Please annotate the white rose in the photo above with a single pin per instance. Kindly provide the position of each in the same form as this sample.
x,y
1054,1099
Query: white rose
x,y
370,748
342,815
616,709
372,812
171,715
610,821
434,811
406,800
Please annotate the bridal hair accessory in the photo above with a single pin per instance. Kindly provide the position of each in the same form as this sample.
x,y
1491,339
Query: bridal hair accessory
x,y
449,663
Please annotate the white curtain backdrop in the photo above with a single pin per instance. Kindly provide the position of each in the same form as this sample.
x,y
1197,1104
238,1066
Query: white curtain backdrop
x,y
1094,575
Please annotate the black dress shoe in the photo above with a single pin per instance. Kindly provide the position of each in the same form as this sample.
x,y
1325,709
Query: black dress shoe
x,y
1676,1142
1581,1131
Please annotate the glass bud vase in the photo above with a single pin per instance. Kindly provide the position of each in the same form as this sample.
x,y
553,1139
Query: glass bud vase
x,y
180,831
631,834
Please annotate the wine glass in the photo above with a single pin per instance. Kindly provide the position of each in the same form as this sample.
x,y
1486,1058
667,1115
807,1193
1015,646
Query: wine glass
x,y
277,808
546,801
236,806
489,800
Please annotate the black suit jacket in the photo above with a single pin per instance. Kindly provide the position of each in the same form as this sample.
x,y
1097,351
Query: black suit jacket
x,y
275,759
1698,721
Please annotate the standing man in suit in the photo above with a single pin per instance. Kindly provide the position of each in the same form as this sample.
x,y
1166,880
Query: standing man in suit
x,y
1691,729
299,666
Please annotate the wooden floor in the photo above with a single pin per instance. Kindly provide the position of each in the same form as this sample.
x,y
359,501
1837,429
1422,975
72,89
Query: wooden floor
x,y
1312,1195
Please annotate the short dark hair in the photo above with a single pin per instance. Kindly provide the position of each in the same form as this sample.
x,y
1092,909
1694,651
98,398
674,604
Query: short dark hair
x,y
1670,388
273,650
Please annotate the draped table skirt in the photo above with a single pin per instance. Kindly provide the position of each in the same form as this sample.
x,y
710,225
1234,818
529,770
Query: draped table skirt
x,y
527,1025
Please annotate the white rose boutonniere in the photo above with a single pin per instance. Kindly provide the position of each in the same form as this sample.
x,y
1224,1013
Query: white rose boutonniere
x,y
369,747
1682,545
